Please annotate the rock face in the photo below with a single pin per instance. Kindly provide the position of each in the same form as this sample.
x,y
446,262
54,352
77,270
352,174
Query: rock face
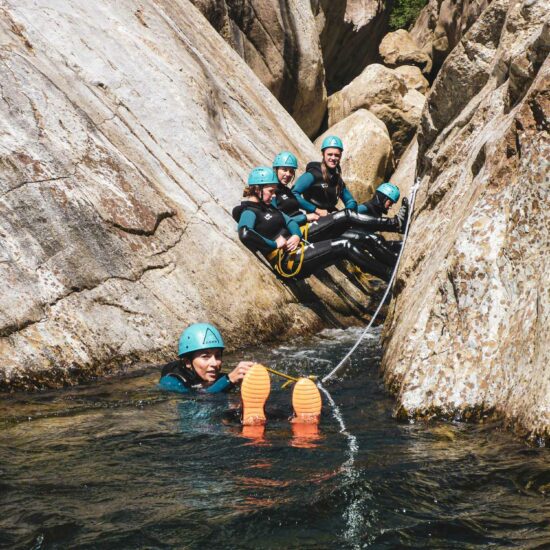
x,y
350,32
398,48
280,42
127,132
368,157
384,93
442,23
413,77
469,326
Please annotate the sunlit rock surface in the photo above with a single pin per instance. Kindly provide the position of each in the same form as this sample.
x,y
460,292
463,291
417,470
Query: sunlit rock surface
x,y
468,330
385,94
368,154
126,132
280,42
442,23
398,48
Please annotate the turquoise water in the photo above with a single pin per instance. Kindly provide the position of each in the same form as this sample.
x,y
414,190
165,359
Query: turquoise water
x,y
118,464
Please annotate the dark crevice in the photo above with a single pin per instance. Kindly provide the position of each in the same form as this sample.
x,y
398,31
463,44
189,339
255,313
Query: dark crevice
x,y
143,232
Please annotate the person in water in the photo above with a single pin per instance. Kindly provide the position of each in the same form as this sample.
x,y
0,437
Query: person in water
x,y
265,229
200,349
347,223
198,368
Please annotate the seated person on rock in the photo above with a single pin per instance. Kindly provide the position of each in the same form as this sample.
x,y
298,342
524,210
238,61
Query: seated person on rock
x,y
265,229
200,349
348,224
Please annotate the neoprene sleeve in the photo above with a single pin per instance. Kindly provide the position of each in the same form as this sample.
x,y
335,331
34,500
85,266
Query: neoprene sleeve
x,y
303,183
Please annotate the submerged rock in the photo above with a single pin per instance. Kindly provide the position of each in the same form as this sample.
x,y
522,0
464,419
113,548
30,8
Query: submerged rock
x,y
469,325
127,132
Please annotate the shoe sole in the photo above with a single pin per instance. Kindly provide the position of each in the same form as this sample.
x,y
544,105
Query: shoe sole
x,y
254,393
306,402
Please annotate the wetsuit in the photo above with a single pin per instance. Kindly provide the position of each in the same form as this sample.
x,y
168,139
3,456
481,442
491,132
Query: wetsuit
x,y
178,378
286,202
260,225
312,191
348,224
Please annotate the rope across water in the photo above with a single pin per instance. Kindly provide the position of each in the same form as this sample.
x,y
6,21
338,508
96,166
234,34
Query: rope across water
x,y
339,366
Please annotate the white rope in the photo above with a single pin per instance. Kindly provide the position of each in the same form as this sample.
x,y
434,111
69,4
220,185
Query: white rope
x,y
390,284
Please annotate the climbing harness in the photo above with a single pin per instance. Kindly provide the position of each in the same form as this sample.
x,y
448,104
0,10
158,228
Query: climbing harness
x,y
276,258
337,368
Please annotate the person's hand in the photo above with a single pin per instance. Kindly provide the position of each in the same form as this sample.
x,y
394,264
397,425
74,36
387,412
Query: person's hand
x,y
280,241
313,217
292,243
320,212
237,374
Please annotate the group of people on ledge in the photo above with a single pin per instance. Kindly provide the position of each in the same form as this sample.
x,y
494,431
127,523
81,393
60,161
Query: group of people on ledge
x,y
299,230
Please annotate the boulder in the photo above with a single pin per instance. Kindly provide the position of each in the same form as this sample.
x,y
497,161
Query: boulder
x,y
467,332
280,42
126,134
384,93
441,24
350,31
398,48
413,77
368,157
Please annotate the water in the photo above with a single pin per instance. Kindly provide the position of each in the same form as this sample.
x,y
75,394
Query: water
x,y
118,464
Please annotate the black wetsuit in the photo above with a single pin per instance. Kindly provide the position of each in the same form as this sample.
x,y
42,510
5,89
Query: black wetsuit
x,y
313,192
347,223
260,225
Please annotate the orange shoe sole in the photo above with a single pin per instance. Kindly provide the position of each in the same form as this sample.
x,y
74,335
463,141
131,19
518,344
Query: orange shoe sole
x,y
306,402
254,393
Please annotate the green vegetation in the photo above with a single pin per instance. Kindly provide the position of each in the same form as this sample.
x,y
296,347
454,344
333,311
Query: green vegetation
x,y
404,13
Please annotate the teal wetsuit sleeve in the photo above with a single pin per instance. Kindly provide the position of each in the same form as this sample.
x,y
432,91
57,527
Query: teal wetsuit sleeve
x,y
248,220
362,209
347,199
173,383
300,219
222,384
303,183
293,227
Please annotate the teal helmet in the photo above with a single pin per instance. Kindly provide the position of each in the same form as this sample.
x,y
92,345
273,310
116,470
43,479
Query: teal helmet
x,y
199,336
332,141
285,159
262,175
389,190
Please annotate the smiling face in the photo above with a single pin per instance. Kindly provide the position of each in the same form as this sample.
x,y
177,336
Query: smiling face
x,y
332,157
285,174
206,363
267,192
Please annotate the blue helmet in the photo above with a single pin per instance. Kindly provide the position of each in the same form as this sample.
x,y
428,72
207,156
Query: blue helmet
x,y
262,175
389,190
285,159
332,141
199,336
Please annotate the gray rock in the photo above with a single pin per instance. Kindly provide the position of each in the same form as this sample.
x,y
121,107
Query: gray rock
x,y
281,44
126,135
468,331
